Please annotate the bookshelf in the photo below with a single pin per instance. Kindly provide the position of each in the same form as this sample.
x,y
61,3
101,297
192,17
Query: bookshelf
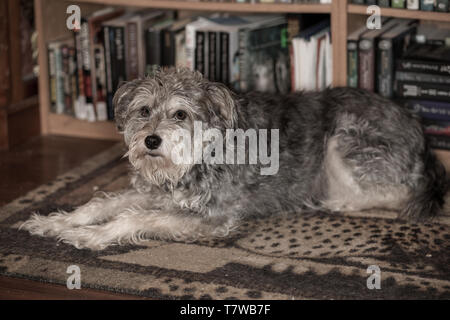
x,y
50,20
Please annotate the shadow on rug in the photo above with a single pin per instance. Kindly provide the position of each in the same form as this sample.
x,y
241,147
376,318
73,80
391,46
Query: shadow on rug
x,y
312,255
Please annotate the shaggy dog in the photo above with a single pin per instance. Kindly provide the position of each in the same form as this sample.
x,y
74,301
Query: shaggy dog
x,y
339,150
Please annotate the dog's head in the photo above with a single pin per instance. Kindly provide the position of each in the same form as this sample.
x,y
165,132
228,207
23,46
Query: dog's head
x,y
148,111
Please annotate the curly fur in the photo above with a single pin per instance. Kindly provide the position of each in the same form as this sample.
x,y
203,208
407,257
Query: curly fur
x,y
341,149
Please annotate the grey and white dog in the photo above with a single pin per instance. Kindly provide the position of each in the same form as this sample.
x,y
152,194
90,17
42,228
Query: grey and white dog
x,y
340,150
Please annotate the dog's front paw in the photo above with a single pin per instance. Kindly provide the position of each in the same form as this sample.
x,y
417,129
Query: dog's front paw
x,y
45,226
84,238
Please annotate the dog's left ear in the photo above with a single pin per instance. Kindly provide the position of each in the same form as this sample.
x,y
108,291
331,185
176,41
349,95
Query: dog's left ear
x,y
122,98
223,103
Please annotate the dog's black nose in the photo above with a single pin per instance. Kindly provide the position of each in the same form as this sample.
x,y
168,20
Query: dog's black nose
x,y
153,142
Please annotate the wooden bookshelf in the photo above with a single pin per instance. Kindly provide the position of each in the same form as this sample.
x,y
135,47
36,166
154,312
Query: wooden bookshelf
x,y
50,23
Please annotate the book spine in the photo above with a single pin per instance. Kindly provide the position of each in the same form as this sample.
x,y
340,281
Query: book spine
x,y
436,127
442,5
212,60
166,46
436,110
384,3
371,2
243,84
224,52
73,78
132,58
358,1
99,58
440,68
59,81
413,4
423,90
352,64
385,68
427,5
172,48
119,71
399,4
80,105
67,86
87,77
108,73
190,47
366,65
200,51
154,51
421,77
439,142
52,77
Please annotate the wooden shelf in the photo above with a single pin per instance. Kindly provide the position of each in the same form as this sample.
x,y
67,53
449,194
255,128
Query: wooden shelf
x,y
403,13
218,6
69,126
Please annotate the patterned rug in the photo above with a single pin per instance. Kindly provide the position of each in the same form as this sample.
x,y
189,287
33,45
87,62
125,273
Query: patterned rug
x,y
307,256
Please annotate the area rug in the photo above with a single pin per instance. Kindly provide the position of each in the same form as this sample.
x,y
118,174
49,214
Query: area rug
x,y
304,256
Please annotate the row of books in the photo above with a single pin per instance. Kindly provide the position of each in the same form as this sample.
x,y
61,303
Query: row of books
x,y
254,52
409,63
425,5
423,85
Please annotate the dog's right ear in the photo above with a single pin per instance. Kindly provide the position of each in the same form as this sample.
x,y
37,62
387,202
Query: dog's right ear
x,y
122,99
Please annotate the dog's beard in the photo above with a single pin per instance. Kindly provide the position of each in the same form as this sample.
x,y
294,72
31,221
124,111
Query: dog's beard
x,y
156,166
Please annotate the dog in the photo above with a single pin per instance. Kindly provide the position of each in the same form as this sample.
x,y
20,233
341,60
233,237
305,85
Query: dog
x,y
341,149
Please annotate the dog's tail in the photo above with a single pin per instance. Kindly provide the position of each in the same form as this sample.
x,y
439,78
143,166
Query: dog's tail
x,y
428,198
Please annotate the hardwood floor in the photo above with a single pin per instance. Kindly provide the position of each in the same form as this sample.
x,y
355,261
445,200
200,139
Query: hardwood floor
x,y
24,168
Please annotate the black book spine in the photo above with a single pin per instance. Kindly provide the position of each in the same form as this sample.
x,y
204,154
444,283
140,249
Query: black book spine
x,y
119,74
166,46
423,90
442,68
200,51
153,50
86,63
224,52
108,71
212,56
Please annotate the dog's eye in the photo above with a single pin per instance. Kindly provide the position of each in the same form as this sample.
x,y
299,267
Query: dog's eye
x,y
180,115
145,111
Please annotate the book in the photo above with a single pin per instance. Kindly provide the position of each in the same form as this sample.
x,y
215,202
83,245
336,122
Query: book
x,y
423,66
352,56
413,4
437,110
442,5
423,90
435,127
399,4
86,69
213,54
392,44
368,44
200,51
438,141
427,5
310,53
421,77
384,3
175,35
52,76
154,45
136,25
265,59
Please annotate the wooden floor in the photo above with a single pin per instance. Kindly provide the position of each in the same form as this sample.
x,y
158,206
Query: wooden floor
x,y
23,169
